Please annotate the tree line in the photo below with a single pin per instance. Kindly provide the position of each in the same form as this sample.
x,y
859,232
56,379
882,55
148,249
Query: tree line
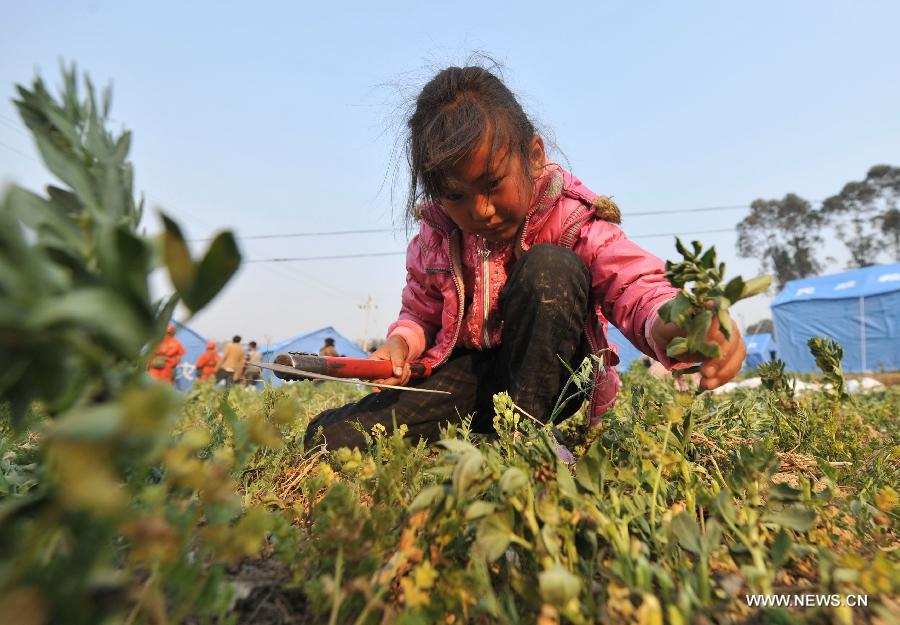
x,y
787,235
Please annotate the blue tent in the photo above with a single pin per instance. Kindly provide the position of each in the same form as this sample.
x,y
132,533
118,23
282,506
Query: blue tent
x,y
310,342
860,309
194,345
628,353
760,348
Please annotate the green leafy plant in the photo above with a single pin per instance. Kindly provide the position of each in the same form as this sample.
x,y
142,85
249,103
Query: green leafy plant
x,y
828,354
703,296
77,321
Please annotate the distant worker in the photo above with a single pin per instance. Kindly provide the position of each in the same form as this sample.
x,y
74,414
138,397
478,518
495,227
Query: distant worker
x,y
206,364
252,373
328,349
166,357
230,364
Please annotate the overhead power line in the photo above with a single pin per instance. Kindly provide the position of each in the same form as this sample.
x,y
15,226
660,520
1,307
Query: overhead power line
x,y
20,152
336,257
298,259
330,233
292,235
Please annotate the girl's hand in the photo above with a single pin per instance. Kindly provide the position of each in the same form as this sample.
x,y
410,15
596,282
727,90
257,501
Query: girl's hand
x,y
713,372
396,350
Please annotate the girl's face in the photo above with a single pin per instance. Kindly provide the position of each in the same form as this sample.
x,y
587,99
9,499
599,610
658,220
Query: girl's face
x,y
492,198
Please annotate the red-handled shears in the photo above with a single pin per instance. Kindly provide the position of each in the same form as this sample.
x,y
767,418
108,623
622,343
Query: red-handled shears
x,y
300,366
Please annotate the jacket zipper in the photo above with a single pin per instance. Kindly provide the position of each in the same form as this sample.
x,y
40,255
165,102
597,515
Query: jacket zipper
x,y
486,300
456,271
540,206
524,230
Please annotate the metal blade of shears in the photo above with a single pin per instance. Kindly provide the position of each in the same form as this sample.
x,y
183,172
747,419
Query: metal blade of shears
x,y
317,376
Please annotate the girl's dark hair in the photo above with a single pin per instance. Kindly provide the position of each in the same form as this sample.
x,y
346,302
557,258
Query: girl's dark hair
x,y
454,113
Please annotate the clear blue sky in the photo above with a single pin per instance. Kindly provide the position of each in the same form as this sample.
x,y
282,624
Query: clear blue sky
x,y
283,118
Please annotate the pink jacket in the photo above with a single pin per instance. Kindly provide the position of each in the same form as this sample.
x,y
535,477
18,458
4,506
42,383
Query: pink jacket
x,y
627,282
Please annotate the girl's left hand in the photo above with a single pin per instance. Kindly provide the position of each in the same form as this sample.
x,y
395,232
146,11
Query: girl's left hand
x,y
714,372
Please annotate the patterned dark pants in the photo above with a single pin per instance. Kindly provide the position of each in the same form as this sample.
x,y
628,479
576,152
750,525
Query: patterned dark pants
x,y
544,306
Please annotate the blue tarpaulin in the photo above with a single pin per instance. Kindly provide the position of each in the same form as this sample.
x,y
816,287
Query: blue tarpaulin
x,y
310,342
860,309
760,348
194,345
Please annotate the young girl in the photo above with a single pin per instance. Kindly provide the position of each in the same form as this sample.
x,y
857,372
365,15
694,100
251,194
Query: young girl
x,y
517,267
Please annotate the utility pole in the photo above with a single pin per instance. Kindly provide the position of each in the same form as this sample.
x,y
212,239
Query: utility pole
x,y
368,307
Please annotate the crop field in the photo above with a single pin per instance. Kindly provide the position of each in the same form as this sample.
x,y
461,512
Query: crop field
x,y
125,501
674,510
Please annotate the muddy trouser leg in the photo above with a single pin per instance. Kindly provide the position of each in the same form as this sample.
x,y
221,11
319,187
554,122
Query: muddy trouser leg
x,y
544,307
465,375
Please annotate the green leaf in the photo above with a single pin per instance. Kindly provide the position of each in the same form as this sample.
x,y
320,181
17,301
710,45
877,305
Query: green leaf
x,y
783,492
725,506
757,285
724,320
712,537
219,264
457,446
95,423
588,469
698,247
467,471
697,333
564,478
512,482
795,518
687,531
495,534
677,347
100,311
123,146
426,498
781,548
62,124
677,310
66,201
178,258
44,217
734,288
558,586
125,261
67,169
551,541
479,509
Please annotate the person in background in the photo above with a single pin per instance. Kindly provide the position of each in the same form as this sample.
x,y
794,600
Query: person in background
x,y
230,366
206,364
251,372
328,349
166,357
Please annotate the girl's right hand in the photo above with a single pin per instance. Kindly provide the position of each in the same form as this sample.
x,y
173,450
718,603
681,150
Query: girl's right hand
x,y
396,350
